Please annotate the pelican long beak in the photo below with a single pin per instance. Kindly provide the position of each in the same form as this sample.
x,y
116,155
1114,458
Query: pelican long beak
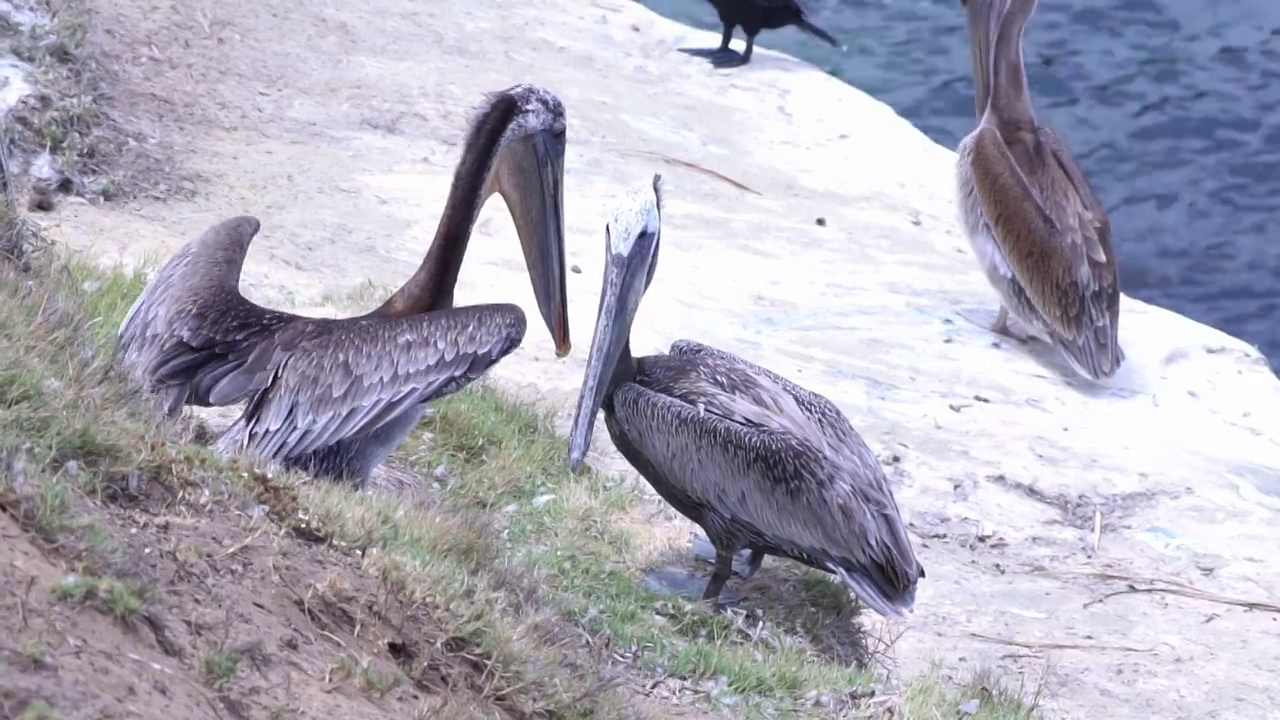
x,y
626,276
530,177
983,18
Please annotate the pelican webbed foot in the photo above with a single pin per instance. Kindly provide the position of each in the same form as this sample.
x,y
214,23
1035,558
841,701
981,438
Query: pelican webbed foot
x,y
1004,325
744,565
681,583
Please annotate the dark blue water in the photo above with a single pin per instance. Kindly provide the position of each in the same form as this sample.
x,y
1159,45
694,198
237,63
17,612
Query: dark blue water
x,y
1171,106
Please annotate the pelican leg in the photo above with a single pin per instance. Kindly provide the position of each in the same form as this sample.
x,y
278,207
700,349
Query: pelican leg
x,y
719,576
753,563
1005,325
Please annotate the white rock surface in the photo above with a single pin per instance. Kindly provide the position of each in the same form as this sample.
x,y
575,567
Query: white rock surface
x,y
1002,461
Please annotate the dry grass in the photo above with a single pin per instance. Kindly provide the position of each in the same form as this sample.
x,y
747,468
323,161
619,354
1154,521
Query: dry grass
x,y
503,562
74,134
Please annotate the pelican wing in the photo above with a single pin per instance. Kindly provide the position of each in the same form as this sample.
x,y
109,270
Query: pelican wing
x,y
1056,240
190,326
209,344
736,441
821,411
355,375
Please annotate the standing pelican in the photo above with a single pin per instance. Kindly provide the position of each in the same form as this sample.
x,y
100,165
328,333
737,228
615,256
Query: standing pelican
x,y
1040,234
757,461
335,397
754,16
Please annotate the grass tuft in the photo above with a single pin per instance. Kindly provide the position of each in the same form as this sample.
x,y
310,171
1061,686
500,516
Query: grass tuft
x,y
121,598
219,667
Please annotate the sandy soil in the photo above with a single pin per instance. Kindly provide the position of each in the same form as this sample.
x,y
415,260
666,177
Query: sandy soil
x,y
301,620
337,124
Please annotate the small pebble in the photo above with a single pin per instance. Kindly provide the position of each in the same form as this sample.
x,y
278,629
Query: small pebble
x,y
821,222
969,707
575,269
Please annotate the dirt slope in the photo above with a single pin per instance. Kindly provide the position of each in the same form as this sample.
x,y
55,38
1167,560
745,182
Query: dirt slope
x,y
337,124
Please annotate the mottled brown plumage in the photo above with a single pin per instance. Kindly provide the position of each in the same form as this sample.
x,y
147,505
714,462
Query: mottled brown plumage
x,y
755,460
1038,230
336,396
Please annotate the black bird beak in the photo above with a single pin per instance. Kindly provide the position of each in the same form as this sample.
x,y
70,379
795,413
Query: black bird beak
x,y
531,180
632,249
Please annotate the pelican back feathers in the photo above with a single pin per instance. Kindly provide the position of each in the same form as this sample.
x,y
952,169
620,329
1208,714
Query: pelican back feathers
x,y
1050,252
759,462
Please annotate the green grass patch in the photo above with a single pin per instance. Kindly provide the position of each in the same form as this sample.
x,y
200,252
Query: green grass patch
x,y
122,598
219,667
515,561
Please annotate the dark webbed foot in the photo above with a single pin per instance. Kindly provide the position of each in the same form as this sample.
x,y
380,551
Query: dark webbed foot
x,y
719,576
680,583
744,565
728,59
725,61
720,57
706,52
717,55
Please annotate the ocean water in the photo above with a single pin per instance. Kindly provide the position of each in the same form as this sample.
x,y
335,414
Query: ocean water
x,y
1171,106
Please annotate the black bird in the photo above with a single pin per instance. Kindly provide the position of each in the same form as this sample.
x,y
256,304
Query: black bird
x,y
754,16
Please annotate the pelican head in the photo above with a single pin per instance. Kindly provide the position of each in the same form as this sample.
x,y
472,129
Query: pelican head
x,y
528,171
631,255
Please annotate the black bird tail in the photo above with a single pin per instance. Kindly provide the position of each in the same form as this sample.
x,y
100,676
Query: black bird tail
x,y
817,32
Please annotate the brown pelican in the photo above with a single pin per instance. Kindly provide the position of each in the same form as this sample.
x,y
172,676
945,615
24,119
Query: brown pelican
x,y
336,396
757,461
754,16
1039,232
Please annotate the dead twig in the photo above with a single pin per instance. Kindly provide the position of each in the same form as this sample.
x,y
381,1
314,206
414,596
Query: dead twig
x,y
1138,585
1049,645
696,167
244,543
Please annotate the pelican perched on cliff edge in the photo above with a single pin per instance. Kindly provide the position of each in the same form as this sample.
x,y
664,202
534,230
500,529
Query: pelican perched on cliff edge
x,y
757,461
1040,234
335,397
